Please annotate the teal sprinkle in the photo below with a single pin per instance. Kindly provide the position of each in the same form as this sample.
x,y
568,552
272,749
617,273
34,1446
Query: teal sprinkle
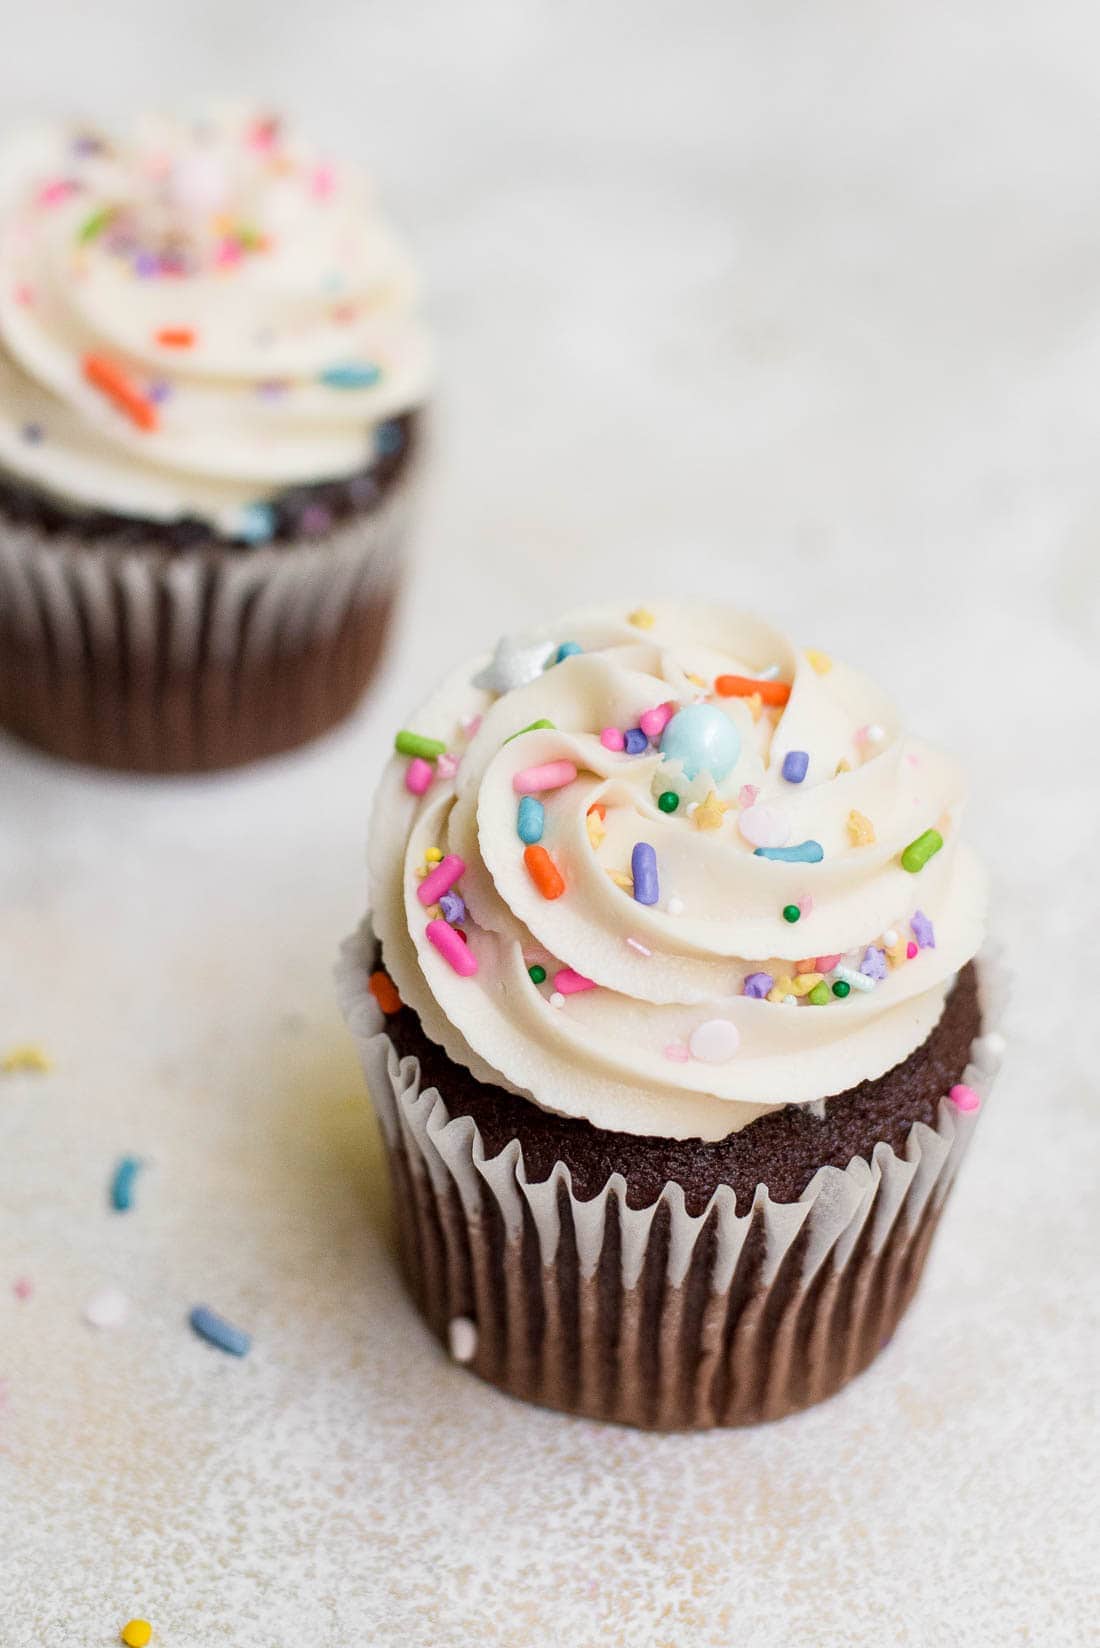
x,y
351,375
257,523
122,1183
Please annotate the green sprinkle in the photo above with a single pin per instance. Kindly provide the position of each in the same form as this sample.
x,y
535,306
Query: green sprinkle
x,y
918,852
95,224
842,988
791,913
668,801
819,995
536,726
414,743
537,974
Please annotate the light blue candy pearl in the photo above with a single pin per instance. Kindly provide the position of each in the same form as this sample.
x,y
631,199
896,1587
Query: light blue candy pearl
x,y
703,739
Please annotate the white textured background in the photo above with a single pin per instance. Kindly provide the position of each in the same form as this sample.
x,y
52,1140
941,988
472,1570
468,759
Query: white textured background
x,y
795,305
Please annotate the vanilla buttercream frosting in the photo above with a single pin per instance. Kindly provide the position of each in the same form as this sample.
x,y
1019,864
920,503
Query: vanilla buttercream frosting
x,y
196,318
688,872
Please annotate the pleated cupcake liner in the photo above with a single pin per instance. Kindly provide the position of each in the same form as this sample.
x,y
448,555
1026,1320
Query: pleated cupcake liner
x,y
156,661
655,1317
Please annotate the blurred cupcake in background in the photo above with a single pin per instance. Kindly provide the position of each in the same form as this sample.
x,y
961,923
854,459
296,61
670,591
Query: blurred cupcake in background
x,y
212,372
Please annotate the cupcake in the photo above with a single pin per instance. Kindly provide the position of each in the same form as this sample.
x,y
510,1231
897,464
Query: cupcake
x,y
211,375
668,1004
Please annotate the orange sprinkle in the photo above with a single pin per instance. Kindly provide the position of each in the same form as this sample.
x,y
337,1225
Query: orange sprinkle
x,y
543,872
176,337
121,389
743,686
598,807
384,991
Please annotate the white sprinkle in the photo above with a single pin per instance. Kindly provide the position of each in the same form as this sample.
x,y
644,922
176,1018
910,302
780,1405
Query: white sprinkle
x,y
789,1001
715,1041
557,999
890,937
858,981
691,808
642,949
875,734
108,1307
675,906
994,1043
462,1338
768,674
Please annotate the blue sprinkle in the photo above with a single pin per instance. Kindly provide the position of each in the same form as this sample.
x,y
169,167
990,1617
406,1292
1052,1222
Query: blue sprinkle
x,y
351,375
568,649
32,433
122,1183
873,963
453,906
807,852
257,523
530,820
217,1331
636,741
388,439
643,867
758,985
923,931
796,764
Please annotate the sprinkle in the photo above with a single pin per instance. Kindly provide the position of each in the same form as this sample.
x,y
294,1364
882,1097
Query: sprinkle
x,y
441,879
861,832
537,974
51,194
964,1098
452,907
890,938
612,739
806,904
677,1052
873,963
809,965
389,438
923,930
918,852
433,855
256,524
636,741
106,376
24,296
556,999
654,721
22,1287
418,776
315,520
446,765
781,991
513,665
593,823
136,1632
796,764
452,947
568,649
551,775
757,985
470,725
715,1041
911,950
27,1056
804,984
571,983
791,913
175,337
351,375
414,743
896,954
668,801
870,734
842,766
819,995
94,224
532,726
675,906
33,433
643,868
621,879
775,693
746,795
858,981
710,813
807,852
842,988
122,1183
217,1331
530,820
641,618
462,1338
384,991
764,826
642,949
322,181
108,1307
543,872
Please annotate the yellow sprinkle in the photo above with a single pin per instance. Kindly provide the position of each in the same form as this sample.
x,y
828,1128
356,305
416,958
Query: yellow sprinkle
x,y
756,704
781,988
861,832
804,983
843,765
696,680
433,854
821,661
136,1633
421,871
28,1056
642,618
709,814
621,879
897,955
434,913
596,831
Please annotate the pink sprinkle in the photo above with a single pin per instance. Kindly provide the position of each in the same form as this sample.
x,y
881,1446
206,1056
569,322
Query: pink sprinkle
x,y
451,947
228,254
322,182
52,194
446,765
571,983
654,721
418,775
825,964
552,775
470,725
612,739
677,1052
23,295
642,949
441,879
964,1098
22,1287
805,905
910,949
746,795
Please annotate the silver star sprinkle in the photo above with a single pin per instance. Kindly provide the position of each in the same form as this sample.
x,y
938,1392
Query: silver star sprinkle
x,y
514,665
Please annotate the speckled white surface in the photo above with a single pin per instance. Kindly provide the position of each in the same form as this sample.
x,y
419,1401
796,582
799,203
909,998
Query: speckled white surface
x,y
801,306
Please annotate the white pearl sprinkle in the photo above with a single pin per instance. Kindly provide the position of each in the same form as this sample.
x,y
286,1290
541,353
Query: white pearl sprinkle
x,y
890,938
557,999
675,906
790,1001
715,1041
462,1338
108,1307
692,807
875,734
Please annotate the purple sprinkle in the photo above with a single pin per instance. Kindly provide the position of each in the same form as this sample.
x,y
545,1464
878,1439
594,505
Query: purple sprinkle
x,y
758,985
314,520
145,265
160,391
873,964
271,389
33,433
363,491
796,764
453,907
923,931
636,741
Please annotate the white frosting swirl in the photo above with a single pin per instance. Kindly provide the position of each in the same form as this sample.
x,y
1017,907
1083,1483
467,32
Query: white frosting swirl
x,y
632,1053
249,294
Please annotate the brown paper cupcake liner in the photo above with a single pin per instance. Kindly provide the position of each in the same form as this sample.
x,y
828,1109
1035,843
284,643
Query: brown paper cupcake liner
x,y
654,1317
154,661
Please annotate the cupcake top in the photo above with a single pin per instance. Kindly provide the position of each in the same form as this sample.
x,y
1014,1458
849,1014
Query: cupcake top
x,y
667,872
196,319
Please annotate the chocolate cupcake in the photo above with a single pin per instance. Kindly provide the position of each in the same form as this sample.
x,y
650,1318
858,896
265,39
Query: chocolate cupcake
x,y
670,1010
211,375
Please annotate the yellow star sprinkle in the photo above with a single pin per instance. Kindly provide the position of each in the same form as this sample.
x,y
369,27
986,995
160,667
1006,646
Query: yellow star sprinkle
x,y
843,765
781,988
642,618
595,827
861,832
709,814
820,661
896,953
621,879
28,1056
696,680
804,983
